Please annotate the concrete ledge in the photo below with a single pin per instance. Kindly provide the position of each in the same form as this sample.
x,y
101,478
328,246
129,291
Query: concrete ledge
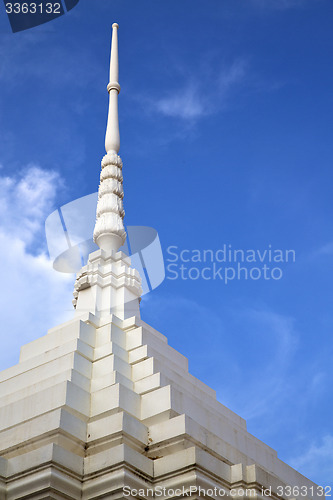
x,y
110,378
189,458
3,468
119,423
113,399
164,353
49,483
45,455
110,348
118,430
37,371
29,435
65,394
59,336
110,363
32,388
109,459
110,484
141,336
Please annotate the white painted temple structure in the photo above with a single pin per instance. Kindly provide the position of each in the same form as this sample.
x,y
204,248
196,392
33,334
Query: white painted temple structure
x,y
101,407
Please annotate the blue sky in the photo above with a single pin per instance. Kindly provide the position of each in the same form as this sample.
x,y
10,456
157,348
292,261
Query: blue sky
x,y
226,138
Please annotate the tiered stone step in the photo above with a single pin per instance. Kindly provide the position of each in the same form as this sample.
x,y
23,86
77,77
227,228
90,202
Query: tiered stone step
x,y
99,405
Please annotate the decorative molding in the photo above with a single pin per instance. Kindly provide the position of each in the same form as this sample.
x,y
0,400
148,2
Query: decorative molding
x,y
108,285
112,270
110,212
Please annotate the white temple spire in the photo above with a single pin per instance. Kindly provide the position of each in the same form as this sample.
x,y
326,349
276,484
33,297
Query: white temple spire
x,y
112,138
109,232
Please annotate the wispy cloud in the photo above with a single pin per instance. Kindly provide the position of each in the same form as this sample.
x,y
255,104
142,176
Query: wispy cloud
x,y
278,338
267,381
279,327
33,296
326,249
317,461
192,101
319,254
260,350
282,4
252,356
29,56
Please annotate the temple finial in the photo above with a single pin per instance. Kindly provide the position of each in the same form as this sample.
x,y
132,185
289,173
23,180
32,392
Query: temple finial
x,y
109,232
112,137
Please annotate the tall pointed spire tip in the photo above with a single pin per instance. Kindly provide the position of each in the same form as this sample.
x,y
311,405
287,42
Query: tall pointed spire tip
x,y
109,233
112,137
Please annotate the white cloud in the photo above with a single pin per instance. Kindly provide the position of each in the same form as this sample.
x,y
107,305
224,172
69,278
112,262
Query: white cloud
x,y
193,101
25,201
317,461
186,104
33,297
